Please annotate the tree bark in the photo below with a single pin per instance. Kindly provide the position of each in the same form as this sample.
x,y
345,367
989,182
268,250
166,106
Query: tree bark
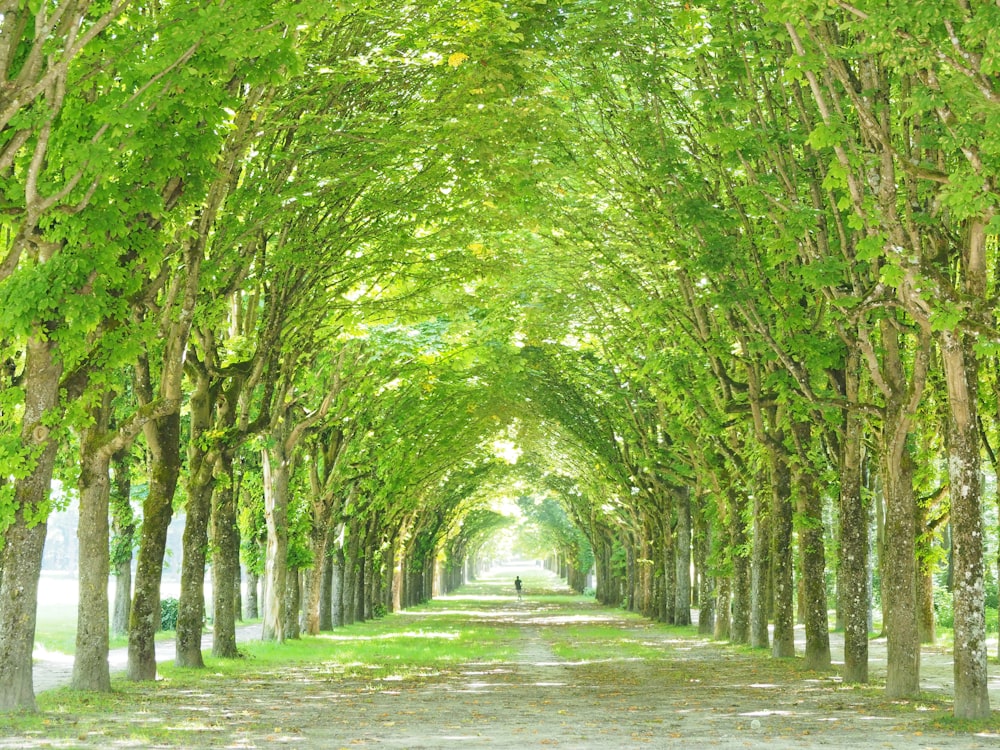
x,y
740,583
351,575
90,663
24,538
318,540
253,586
899,578
813,554
899,593
326,595
783,645
760,573
683,547
337,588
706,585
293,601
971,695
961,368
123,529
390,578
225,561
276,480
163,442
200,487
725,550
373,578
361,582
630,577
671,575
122,605
925,580
163,439
852,571
723,610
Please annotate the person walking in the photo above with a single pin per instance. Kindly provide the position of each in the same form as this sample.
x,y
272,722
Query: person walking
x,y
517,587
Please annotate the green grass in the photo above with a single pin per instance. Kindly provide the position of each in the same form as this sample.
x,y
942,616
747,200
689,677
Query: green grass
x,y
55,628
990,726
608,642
419,644
377,649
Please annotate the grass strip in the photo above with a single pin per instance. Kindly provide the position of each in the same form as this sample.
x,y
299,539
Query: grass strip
x,y
239,697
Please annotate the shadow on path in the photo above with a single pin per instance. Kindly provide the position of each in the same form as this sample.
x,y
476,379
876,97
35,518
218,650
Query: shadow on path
x,y
577,676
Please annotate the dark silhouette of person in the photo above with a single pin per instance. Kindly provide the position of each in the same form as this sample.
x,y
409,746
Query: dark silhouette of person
x,y
517,585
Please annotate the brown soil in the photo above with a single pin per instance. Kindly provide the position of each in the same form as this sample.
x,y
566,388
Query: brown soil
x,y
692,691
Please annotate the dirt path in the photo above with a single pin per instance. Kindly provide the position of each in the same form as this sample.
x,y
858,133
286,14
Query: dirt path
x,y
641,686
693,692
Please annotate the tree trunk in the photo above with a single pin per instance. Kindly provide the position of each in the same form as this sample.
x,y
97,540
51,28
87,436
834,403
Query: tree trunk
x,y
200,486
740,583
122,605
337,587
961,373
163,439
760,574
961,370
630,578
602,572
24,538
723,616
643,570
361,583
852,570
372,579
878,495
899,570
350,610
293,601
725,551
191,606
237,585
609,589
253,586
664,563
925,580
390,577
783,645
123,528
318,541
683,552
670,577
813,554
90,663
706,586
276,478
225,562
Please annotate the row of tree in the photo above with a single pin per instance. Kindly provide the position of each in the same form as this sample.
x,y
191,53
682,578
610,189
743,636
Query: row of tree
x,y
789,209
197,199
726,272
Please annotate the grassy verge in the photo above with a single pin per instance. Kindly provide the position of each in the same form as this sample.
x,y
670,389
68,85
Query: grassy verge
x,y
613,642
204,707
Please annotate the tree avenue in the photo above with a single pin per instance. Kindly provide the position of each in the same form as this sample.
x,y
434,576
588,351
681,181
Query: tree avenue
x,y
702,295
